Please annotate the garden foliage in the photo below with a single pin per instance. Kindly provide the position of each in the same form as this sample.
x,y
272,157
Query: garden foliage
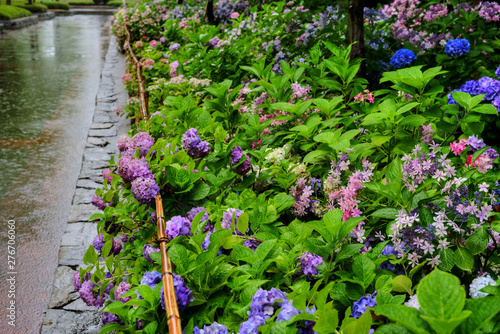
x,y
298,197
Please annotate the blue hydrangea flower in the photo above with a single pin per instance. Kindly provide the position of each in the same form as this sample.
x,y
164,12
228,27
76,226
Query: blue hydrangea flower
x,y
457,47
214,328
252,324
287,312
402,58
174,47
263,301
365,302
252,243
151,279
176,226
478,283
194,211
183,294
497,72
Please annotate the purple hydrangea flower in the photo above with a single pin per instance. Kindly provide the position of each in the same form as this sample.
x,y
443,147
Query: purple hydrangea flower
x,y
214,328
457,47
145,189
193,145
99,203
183,295
365,302
206,241
89,296
309,263
213,42
174,47
108,318
236,155
176,226
76,280
130,168
151,279
98,242
497,72
127,238
263,301
252,324
124,143
148,249
110,285
475,143
143,141
194,211
163,40
252,243
402,58
287,312
120,290
227,217
386,265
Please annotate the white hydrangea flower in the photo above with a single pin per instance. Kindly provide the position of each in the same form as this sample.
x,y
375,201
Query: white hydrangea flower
x,y
478,283
413,302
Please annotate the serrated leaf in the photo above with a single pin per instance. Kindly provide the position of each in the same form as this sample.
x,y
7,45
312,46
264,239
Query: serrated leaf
x,y
463,259
409,317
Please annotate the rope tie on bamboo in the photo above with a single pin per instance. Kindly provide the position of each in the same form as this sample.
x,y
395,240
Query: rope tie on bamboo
x,y
168,273
162,239
173,316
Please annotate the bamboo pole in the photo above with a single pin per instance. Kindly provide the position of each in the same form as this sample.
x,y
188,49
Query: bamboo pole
x,y
173,317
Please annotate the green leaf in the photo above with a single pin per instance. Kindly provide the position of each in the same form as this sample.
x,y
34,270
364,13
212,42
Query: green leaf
x,y
440,295
462,99
446,326
447,258
178,255
333,221
90,256
380,140
111,327
359,326
464,259
391,329
483,309
242,223
488,109
348,251
401,283
150,328
327,322
204,119
477,242
387,213
384,283
364,270
413,120
199,191
408,317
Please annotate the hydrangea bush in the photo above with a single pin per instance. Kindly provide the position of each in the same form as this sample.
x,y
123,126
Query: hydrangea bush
x,y
298,197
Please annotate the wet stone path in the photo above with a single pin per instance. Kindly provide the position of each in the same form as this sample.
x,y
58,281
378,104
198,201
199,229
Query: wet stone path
x,y
67,313
50,75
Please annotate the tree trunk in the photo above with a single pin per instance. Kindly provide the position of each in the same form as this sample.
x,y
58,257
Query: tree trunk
x,y
179,2
356,33
209,12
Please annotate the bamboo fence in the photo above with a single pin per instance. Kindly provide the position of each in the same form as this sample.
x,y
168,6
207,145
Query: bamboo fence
x,y
173,317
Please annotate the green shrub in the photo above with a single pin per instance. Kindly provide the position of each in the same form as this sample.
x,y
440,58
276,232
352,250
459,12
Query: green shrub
x,y
81,3
56,5
119,3
12,12
35,8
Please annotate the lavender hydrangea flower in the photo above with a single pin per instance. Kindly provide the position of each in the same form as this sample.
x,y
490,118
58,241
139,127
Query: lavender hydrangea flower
x,y
252,324
193,145
89,296
309,263
183,294
145,189
252,243
497,72
110,285
148,249
227,217
457,47
151,279
287,312
263,301
365,302
194,211
402,58
163,40
388,250
177,226
107,175
174,47
76,280
236,155
99,203
475,143
214,328
98,242
143,141
124,143
478,283
120,290
108,318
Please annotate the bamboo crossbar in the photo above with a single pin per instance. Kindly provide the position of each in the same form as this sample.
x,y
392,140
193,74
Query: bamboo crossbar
x,y
173,317
143,105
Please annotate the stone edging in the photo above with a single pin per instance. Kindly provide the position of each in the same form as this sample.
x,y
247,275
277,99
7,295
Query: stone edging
x,y
25,21
66,312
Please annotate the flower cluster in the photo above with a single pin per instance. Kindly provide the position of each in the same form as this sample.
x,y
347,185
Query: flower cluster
x,y
214,328
99,202
457,48
193,145
365,97
402,58
177,226
478,283
361,306
98,244
120,290
183,294
148,249
242,168
309,263
262,308
485,85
